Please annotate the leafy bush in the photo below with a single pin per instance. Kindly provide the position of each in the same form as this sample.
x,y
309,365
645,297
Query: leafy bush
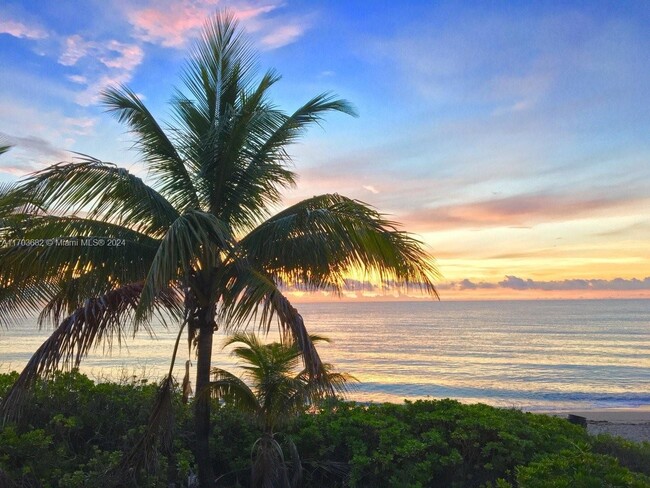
x,y
74,431
428,443
579,469
632,455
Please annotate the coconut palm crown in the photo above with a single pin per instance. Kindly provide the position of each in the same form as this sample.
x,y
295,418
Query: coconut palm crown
x,y
100,252
272,389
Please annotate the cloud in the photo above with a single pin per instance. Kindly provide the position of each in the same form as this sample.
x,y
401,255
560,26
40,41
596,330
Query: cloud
x,y
19,29
520,210
122,56
106,63
466,285
92,93
167,25
27,153
618,284
75,49
282,36
82,80
174,23
81,126
371,189
32,143
516,283
112,54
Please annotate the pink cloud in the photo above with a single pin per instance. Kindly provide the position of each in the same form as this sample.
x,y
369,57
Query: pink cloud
x,y
168,26
20,30
172,24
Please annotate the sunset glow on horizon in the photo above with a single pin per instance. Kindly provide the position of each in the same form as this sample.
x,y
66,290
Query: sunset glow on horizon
x,y
513,139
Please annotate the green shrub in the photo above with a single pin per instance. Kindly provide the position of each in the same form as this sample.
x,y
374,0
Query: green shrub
x,y
71,428
633,455
74,431
428,443
579,469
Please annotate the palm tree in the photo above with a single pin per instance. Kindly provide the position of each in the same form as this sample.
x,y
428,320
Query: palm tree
x,y
108,252
272,390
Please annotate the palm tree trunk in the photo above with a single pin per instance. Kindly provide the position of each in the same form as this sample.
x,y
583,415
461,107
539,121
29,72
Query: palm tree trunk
x,y
206,328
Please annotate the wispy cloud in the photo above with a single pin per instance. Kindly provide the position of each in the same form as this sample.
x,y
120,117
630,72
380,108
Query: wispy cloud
x,y
117,60
26,154
169,24
281,36
21,30
32,143
75,49
520,210
174,23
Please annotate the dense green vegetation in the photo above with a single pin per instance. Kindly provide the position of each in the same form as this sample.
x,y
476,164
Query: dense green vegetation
x,y
75,433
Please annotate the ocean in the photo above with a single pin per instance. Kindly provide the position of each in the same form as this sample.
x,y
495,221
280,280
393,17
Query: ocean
x,y
533,355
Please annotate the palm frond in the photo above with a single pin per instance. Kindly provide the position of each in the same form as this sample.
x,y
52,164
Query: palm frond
x,y
264,170
196,239
160,425
20,299
326,385
102,190
160,154
250,295
46,268
268,465
221,63
103,320
318,242
271,387
228,387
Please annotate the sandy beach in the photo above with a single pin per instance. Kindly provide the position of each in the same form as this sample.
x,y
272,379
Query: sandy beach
x,y
631,423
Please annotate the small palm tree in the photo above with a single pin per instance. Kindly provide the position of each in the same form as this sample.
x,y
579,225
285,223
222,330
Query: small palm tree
x,y
273,389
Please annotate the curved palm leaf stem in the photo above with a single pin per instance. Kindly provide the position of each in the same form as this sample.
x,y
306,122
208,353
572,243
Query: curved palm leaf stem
x,y
178,340
291,321
143,452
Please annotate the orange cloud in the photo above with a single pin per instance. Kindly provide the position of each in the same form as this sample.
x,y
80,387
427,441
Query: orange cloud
x,y
515,211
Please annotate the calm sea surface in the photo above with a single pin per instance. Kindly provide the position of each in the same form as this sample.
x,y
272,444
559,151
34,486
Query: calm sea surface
x,y
538,355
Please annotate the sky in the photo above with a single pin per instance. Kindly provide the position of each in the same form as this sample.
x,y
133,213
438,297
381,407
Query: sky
x,y
512,137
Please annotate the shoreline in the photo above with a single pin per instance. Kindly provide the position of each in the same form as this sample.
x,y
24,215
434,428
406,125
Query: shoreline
x,y
631,423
